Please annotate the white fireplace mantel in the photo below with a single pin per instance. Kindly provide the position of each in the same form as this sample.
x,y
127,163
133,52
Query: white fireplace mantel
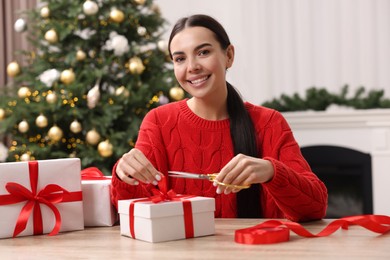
x,y
367,131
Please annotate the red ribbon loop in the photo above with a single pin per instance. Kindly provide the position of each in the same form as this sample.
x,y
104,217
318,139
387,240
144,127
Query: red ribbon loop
x,y
274,231
92,173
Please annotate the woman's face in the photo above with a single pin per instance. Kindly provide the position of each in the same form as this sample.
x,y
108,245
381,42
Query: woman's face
x,y
200,63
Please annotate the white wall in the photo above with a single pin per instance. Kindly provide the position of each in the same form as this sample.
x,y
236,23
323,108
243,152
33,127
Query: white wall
x,y
287,46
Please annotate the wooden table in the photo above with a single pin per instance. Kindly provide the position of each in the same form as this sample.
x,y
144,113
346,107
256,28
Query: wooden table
x,y
107,243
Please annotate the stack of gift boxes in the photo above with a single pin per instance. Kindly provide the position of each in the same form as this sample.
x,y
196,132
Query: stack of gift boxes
x,y
52,196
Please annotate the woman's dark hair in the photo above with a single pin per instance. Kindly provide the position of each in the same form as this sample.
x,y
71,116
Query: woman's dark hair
x,y
241,126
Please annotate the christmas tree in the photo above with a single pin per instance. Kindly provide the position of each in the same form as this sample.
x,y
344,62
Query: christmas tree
x,y
97,69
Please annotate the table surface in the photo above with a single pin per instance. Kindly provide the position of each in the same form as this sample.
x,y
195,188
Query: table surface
x,y
107,243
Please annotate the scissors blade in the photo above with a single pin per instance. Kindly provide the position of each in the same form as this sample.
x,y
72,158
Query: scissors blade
x,y
188,175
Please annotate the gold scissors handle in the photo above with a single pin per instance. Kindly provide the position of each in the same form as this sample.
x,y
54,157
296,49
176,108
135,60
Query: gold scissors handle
x,y
211,177
214,175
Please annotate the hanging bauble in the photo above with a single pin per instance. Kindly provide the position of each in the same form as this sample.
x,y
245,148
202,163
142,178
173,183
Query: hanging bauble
x,y
41,121
51,98
90,7
2,114
141,31
162,45
92,53
136,66
117,15
24,92
25,157
162,100
20,25
51,36
45,12
75,127
13,69
23,126
140,2
105,149
93,96
67,76
92,137
122,91
55,133
176,93
81,55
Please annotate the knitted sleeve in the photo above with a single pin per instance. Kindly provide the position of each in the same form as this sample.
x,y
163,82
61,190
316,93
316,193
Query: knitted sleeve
x,y
150,143
295,189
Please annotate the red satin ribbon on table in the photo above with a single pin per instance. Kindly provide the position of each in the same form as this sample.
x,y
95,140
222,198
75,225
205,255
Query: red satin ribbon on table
x,y
93,173
51,194
161,196
275,231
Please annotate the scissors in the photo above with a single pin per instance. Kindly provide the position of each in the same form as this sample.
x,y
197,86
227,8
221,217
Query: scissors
x,y
209,177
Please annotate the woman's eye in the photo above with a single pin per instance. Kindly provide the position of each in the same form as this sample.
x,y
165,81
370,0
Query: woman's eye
x,y
179,59
204,52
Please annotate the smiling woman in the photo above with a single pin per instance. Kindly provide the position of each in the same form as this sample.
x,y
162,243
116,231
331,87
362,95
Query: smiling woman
x,y
216,132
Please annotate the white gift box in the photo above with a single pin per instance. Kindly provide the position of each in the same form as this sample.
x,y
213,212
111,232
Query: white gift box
x,y
98,209
65,173
164,221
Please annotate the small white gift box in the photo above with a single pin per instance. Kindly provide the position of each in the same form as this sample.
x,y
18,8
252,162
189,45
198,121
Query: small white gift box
x,y
98,209
48,192
168,220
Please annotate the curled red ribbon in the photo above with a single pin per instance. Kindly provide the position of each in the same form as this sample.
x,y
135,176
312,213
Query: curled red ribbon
x,y
274,231
161,196
51,194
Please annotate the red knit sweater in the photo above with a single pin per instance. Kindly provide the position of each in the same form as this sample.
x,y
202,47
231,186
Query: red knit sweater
x,y
172,137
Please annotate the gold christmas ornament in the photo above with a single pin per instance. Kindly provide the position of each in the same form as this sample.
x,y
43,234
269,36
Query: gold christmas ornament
x,y
55,133
80,55
2,114
25,157
176,93
136,66
122,91
51,98
24,92
105,149
140,2
13,69
45,12
75,127
41,121
93,137
51,36
23,126
90,7
117,15
67,76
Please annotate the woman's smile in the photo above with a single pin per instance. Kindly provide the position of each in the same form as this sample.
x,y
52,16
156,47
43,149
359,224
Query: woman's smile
x,y
198,81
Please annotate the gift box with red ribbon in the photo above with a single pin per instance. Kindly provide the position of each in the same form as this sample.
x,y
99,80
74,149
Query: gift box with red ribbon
x,y
98,209
171,218
40,197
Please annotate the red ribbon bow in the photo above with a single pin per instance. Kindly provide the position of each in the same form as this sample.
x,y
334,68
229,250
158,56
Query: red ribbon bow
x,y
51,194
274,231
161,196
92,173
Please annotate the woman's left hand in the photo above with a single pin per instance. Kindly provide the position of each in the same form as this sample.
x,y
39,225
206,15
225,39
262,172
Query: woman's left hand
x,y
244,170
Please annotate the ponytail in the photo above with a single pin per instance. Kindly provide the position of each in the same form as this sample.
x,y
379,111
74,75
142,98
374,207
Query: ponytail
x,y
243,136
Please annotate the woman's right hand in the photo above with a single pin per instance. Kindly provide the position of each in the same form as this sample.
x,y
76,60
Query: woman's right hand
x,y
134,167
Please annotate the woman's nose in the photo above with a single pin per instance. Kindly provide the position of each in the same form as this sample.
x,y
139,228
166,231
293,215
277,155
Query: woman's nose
x,y
193,65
